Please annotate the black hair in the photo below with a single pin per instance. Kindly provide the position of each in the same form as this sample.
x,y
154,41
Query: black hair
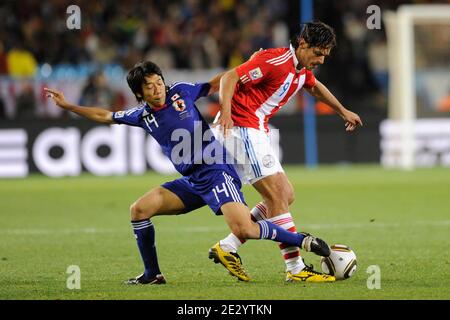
x,y
136,77
316,34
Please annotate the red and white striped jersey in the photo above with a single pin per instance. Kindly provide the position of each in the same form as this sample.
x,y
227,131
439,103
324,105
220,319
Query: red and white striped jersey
x,y
266,83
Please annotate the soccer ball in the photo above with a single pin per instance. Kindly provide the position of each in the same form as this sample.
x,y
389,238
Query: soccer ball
x,y
341,263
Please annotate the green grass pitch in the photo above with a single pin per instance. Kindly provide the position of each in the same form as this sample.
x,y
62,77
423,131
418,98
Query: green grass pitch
x,y
399,221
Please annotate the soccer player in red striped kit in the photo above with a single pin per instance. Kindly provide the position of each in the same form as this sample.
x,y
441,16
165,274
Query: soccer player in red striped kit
x,y
250,95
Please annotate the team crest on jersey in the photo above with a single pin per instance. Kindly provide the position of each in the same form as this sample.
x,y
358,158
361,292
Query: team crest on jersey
x,y
179,105
255,73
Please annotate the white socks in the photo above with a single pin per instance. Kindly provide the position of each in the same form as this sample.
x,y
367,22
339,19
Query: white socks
x,y
231,243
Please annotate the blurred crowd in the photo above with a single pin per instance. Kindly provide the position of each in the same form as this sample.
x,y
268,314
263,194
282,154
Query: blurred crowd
x,y
182,34
189,34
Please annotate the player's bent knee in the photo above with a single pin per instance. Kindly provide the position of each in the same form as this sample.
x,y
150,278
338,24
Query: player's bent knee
x,y
147,206
138,212
290,196
135,211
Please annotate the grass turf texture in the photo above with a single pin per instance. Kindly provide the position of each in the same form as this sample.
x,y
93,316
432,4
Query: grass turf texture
x,y
397,220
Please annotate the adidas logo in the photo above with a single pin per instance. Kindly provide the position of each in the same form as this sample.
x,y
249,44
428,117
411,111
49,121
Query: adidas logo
x,y
274,234
296,81
145,113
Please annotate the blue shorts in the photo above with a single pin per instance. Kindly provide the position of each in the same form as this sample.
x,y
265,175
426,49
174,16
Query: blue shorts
x,y
212,185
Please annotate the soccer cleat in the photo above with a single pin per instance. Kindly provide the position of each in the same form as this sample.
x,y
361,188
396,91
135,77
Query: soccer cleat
x,y
230,260
309,275
316,245
158,279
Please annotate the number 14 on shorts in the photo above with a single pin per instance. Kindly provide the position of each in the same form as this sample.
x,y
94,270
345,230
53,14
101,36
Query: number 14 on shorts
x,y
229,188
223,188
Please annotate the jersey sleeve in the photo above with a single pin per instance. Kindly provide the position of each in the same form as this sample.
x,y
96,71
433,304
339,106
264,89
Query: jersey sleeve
x,y
310,80
255,70
195,90
130,117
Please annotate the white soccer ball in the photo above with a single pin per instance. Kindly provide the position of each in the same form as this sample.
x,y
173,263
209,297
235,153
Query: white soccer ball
x,y
341,263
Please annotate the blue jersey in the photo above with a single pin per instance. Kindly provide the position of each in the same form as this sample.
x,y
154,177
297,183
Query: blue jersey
x,y
179,128
186,139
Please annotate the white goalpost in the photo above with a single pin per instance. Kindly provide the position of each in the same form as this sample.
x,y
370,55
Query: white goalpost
x,y
403,133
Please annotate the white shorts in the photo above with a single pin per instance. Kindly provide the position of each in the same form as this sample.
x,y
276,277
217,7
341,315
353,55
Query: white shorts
x,y
254,156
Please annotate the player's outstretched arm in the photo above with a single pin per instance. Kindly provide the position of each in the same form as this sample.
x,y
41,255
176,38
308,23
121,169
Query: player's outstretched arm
x,y
352,120
92,113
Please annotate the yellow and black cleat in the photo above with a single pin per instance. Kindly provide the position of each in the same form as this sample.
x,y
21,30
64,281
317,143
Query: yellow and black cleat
x,y
309,275
230,260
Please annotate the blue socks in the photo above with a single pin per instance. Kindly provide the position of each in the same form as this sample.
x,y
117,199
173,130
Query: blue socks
x,y
271,231
145,237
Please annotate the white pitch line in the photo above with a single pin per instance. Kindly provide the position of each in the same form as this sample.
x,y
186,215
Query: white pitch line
x,y
444,223
57,231
202,229
23,231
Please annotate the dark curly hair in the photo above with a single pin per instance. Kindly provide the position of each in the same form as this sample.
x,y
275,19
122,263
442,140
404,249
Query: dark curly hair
x,y
136,76
316,34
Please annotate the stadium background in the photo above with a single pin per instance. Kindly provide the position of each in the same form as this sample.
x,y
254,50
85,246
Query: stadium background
x,y
192,40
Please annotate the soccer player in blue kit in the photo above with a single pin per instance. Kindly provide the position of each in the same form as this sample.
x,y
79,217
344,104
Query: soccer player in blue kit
x,y
169,114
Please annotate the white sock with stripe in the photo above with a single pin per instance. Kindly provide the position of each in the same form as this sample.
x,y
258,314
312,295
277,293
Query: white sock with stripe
x,y
291,255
